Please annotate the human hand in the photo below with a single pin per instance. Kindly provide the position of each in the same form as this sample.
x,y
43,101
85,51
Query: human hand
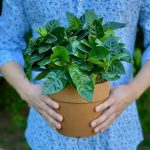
x,y
120,97
42,103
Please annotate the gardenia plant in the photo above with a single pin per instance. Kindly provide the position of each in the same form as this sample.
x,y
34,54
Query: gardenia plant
x,y
84,53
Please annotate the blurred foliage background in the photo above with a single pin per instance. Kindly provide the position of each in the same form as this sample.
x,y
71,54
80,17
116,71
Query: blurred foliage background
x,y
14,111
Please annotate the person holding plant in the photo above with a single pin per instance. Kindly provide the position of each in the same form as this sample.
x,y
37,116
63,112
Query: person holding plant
x,y
118,127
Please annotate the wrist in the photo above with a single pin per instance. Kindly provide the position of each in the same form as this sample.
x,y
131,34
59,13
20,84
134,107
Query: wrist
x,y
23,86
135,90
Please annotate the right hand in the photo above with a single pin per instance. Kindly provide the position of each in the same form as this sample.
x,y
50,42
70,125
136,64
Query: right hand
x,y
42,103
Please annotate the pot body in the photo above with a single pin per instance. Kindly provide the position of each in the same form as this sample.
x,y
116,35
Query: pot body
x,y
77,112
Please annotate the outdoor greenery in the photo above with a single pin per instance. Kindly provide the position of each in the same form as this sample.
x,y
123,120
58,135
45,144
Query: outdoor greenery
x,y
13,111
83,54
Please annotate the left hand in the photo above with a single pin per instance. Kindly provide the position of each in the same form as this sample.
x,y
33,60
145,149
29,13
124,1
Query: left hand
x,y
120,97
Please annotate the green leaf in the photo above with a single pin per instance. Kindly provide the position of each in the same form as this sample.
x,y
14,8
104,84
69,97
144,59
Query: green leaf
x,y
30,46
98,42
85,42
35,58
42,31
55,81
121,56
51,25
111,43
113,25
83,82
50,39
42,75
60,56
96,62
83,48
98,53
74,22
70,80
82,19
90,16
96,29
59,32
73,50
44,61
82,34
43,49
126,58
91,41
110,76
108,33
86,66
117,67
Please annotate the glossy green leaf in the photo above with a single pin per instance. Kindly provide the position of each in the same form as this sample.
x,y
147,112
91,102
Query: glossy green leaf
x,y
90,16
60,56
126,58
51,25
50,39
73,50
96,29
74,22
44,61
83,48
42,31
82,35
59,32
111,43
30,46
117,67
55,81
82,19
43,49
110,76
70,80
35,58
121,56
113,25
83,82
98,53
85,42
86,66
42,75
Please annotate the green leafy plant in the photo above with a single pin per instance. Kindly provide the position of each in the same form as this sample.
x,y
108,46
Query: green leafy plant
x,y
84,53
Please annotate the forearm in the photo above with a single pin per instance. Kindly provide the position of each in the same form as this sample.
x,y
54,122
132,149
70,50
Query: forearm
x,y
142,80
15,76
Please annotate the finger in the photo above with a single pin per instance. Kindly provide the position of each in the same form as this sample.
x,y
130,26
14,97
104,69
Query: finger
x,y
105,125
49,101
51,112
106,114
104,105
50,120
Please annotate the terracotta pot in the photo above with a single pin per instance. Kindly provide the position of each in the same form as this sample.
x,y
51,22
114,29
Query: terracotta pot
x,y
77,112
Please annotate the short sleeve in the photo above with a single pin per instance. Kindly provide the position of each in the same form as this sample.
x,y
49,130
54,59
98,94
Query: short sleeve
x,y
145,24
13,27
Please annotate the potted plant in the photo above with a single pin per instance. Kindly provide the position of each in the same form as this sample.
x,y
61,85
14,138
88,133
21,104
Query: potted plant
x,y
77,62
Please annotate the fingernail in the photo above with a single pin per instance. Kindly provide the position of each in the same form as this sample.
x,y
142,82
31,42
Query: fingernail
x,y
60,118
93,124
56,106
58,126
97,109
96,130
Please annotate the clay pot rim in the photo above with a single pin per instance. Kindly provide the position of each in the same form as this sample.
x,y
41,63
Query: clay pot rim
x,y
83,101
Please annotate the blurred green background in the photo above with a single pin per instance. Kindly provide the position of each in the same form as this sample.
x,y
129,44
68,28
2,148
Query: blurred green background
x,y
13,111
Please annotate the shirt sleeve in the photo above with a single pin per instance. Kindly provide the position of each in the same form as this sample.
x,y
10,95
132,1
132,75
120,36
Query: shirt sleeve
x,y
13,27
145,24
